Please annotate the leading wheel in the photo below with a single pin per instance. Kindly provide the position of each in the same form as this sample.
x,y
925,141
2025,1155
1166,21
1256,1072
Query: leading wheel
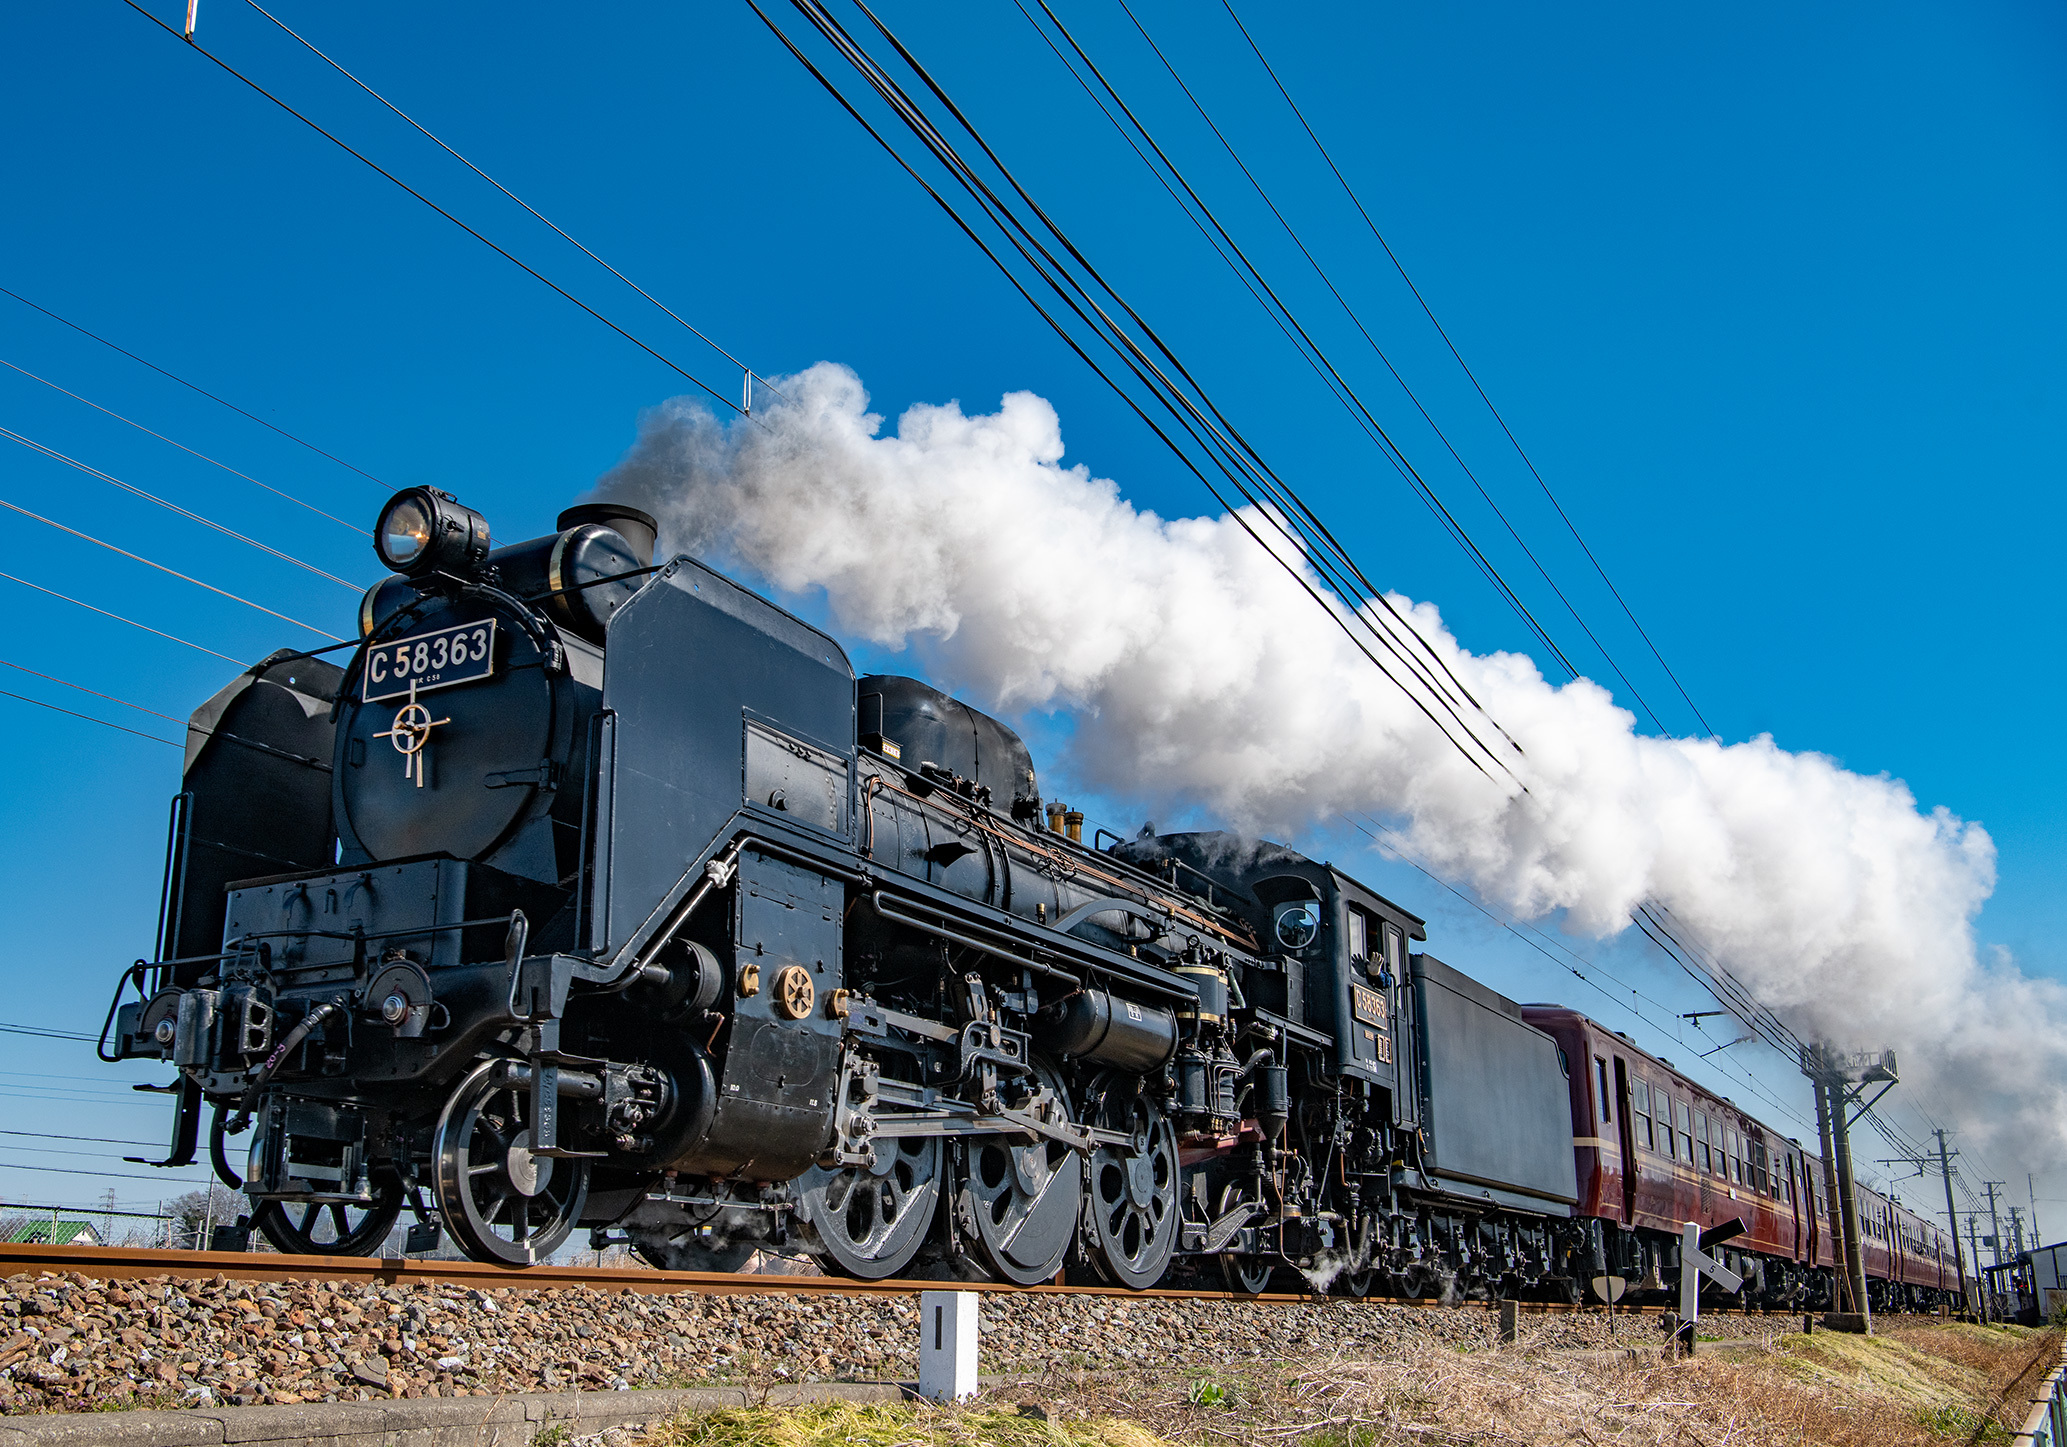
x,y
1132,1209
1020,1201
331,1228
501,1202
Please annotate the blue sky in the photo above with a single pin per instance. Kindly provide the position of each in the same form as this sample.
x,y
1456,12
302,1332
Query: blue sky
x,y
1774,298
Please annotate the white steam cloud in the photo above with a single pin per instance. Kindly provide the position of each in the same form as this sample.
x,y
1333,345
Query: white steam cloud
x,y
1200,677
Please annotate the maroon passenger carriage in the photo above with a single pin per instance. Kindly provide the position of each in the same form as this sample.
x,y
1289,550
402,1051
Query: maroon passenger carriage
x,y
1654,1151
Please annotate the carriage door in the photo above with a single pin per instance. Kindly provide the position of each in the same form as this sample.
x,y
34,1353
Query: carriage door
x,y
1627,1134
1796,1181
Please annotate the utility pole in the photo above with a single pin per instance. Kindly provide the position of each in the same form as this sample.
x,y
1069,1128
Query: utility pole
x,y
2032,1186
1994,1221
1840,1079
1952,1212
1980,1281
2016,1232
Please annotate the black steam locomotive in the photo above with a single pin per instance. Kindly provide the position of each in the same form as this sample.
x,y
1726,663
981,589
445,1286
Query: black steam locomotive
x,y
598,893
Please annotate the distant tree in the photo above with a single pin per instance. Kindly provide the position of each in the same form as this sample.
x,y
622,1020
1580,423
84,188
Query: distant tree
x,y
197,1211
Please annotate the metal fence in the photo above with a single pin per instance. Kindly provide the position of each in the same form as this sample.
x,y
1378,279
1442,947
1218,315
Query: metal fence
x,y
2047,1424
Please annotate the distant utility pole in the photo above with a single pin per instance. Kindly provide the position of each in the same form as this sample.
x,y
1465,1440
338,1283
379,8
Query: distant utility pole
x,y
1980,1281
1952,1212
1994,1221
2016,1232
2031,1186
1840,1080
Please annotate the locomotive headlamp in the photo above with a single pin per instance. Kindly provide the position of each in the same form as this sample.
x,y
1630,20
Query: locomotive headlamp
x,y
423,531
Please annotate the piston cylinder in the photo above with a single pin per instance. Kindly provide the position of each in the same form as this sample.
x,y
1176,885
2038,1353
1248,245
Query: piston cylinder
x,y
1093,1025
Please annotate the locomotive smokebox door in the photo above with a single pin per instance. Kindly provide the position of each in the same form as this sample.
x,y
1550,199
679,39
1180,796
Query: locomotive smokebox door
x,y
782,1053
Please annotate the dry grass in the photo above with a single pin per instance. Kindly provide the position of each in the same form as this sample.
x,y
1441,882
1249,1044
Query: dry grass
x,y
849,1424
1911,1386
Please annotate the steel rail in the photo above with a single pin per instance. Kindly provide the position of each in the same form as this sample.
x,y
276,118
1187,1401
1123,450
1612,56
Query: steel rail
x,y
132,1263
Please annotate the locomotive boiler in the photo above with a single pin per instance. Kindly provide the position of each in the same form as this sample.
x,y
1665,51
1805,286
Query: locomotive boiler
x,y
599,891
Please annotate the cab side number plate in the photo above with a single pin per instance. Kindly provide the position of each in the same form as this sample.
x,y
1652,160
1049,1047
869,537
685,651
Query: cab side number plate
x,y
430,660
1369,1006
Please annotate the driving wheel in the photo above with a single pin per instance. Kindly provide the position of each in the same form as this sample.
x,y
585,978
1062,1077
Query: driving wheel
x,y
331,1228
870,1221
502,1202
1020,1201
1132,1209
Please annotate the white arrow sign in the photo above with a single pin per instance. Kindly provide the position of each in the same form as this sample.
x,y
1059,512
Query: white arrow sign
x,y
1694,1263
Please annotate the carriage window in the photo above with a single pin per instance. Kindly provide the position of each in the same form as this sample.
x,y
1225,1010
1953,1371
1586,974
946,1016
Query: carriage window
x,y
1360,937
1600,1075
1701,1141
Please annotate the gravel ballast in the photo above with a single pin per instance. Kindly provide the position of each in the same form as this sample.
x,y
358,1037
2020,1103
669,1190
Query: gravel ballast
x,y
70,1342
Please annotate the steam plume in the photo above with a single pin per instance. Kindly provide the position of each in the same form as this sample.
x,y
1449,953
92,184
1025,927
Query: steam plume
x,y
1200,676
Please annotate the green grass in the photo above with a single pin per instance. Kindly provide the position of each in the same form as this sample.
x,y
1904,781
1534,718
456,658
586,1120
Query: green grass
x,y
1963,1424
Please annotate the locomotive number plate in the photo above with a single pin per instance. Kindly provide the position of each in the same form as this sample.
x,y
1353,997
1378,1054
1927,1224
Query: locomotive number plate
x,y
1369,1005
430,660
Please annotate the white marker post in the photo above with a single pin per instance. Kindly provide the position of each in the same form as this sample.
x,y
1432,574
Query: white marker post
x,y
947,1344
1694,1263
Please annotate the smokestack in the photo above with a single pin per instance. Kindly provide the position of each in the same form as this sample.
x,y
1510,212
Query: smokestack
x,y
635,527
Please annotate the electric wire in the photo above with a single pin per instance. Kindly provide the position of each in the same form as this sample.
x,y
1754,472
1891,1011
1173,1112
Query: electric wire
x,y
111,1175
1131,356
172,637
10,1028
1364,331
315,50
1321,546
290,497
1472,376
1580,968
173,507
95,1139
82,688
375,166
1344,391
24,698
175,377
174,572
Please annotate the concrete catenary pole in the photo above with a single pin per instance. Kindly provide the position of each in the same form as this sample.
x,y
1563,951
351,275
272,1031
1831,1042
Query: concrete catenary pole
x,y
1952,1216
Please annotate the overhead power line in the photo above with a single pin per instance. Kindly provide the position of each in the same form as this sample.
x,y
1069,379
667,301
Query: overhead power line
x,y
173,507
119,728
173,572
191,387
1303,341
82,688
382,171
173,637
1365,332
700,335
1219,447
13,1029
1472,376
277,492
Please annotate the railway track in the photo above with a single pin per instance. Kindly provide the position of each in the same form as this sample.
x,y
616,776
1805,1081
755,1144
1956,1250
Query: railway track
x,y
130,1263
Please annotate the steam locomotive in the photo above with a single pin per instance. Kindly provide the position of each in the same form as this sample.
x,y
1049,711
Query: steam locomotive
x,y
599,892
